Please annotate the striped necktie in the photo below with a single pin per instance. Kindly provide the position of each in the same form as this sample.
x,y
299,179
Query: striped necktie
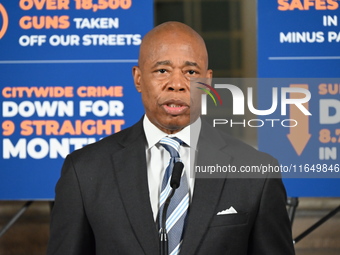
x,y
179,204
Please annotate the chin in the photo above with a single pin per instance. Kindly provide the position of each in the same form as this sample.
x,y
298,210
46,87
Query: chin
x,y
178,124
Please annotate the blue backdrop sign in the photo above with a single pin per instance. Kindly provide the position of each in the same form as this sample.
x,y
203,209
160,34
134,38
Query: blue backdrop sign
x,y
65,82
300,40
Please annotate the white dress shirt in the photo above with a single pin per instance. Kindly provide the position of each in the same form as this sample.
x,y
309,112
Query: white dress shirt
x,y
158,158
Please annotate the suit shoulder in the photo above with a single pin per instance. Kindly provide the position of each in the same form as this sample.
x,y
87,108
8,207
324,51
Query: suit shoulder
x,y
240,149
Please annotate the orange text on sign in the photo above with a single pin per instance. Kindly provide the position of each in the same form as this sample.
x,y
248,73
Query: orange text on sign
x,y
78,127
47,22
47,4
8,128
14,92
100,91
331,89
305,5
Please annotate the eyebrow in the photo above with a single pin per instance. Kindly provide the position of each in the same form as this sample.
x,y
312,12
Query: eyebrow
x,y
168,62
189,63
160,63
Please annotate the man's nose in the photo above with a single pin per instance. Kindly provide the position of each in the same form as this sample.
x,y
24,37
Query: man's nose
x,y
178,82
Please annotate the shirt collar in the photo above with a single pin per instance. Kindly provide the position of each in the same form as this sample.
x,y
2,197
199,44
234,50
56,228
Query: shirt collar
x,y
154,134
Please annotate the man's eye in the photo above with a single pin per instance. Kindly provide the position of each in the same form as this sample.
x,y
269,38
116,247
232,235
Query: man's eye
x,y
162,71
191,72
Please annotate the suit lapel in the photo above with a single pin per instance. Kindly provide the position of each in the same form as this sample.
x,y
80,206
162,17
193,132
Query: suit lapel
x,y
130,169
207,191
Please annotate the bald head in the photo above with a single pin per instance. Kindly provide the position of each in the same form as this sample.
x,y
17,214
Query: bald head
x,y
171,31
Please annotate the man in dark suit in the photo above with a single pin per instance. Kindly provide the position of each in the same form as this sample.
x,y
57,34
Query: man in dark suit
x,y
107,198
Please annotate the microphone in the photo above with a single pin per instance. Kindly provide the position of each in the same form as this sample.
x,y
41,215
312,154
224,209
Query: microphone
x,y
176,175
174,184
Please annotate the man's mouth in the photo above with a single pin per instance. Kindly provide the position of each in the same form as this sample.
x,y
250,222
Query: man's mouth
x,y
175,108
174,105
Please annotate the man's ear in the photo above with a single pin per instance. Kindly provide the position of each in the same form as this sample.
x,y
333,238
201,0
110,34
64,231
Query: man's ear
x,y
136,73
209,73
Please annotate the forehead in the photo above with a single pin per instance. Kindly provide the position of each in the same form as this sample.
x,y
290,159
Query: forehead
x,y
174,47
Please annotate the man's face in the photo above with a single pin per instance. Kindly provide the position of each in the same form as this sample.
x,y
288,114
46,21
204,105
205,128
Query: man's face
x,y
163,78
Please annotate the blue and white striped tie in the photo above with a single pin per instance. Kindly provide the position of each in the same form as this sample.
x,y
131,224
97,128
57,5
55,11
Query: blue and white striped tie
x,y
179,204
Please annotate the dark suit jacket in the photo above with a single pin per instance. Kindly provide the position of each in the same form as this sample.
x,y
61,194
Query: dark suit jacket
x,y
102,203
